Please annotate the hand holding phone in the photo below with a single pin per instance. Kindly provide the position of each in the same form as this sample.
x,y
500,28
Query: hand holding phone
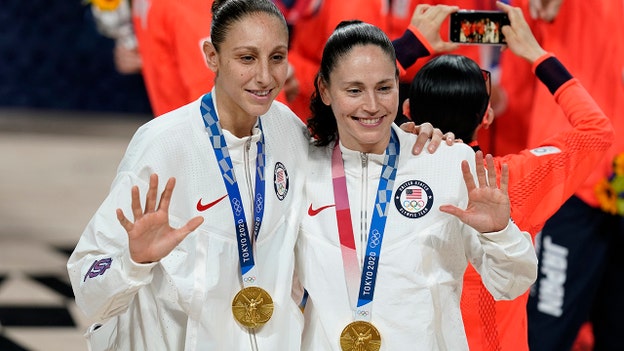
x,y
478,27
519,38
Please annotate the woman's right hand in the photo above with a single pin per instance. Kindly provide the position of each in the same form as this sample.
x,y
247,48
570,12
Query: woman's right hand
x,y
150,237
518,35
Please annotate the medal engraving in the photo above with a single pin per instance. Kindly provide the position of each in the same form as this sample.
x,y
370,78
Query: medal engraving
x,y
360,336
252,307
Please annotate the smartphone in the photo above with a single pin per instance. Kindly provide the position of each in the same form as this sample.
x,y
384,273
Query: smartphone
x,y
478,27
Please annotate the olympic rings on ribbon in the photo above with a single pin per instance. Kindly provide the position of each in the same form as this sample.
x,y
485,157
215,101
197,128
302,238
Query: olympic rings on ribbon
x,y
374,238
236,205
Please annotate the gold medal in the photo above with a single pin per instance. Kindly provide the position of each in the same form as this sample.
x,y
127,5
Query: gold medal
x,y
360,336
252,307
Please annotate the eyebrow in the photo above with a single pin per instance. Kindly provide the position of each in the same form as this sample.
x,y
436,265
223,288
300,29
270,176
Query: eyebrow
x,y
384,81
254,48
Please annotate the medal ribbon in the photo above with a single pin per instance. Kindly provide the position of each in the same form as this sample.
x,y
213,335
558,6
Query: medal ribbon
x,y
243,237
368,277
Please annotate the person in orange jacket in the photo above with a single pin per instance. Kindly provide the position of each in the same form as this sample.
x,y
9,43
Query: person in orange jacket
x,y
170,35
452,93
580,246
399,16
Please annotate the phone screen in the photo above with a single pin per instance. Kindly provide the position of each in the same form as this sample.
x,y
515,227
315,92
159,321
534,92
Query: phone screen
x,y
478,27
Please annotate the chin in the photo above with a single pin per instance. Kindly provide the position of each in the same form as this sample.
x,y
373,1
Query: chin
x,y
259,110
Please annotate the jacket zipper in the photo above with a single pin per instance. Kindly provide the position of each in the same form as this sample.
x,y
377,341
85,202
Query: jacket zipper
x,y
363,206
252,333
250,189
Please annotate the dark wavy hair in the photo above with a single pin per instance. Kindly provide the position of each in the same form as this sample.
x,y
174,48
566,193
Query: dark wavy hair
x,y
346,36
226,12
450,93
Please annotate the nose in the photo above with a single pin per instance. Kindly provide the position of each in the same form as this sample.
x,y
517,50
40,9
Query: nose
x,y
263,73
371,105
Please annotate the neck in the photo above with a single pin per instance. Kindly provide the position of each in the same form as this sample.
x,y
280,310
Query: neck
x,y
239,128
367,149
232,118
378,147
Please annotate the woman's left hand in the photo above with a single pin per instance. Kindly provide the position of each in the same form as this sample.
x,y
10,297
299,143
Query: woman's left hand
x,y
488,207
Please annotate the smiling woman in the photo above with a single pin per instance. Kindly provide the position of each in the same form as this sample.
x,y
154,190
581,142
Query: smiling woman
x,y
347,259
180,255
251,68
364,110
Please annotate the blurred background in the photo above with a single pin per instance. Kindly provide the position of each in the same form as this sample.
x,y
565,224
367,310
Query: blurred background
x,y
66,116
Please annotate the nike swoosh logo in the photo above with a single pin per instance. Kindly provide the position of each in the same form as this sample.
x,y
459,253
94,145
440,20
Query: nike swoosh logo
x,y
313,212
202,208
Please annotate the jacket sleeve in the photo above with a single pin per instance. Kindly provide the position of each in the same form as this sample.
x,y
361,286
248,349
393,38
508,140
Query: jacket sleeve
x,y
102,274
506,261
411,46
546,176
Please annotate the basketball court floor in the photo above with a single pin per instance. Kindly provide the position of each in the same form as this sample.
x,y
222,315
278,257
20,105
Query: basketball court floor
x,y
55,170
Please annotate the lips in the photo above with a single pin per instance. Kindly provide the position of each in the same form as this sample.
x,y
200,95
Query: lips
x,y
260,93
369,121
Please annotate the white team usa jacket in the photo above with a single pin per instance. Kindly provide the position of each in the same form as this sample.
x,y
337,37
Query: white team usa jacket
x,y
184,301
423,256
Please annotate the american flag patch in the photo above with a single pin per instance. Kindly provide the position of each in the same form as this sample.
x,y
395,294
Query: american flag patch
x,y
413,194
413,199
279,176
280,180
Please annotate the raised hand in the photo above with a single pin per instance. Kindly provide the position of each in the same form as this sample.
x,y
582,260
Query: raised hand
x,y
488,207
151,237
520,39
428,19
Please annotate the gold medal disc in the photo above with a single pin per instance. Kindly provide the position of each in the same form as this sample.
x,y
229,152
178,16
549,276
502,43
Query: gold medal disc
x,y
252,307
360,336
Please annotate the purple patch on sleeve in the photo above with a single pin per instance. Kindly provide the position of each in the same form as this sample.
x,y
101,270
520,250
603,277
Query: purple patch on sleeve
x,y
98,268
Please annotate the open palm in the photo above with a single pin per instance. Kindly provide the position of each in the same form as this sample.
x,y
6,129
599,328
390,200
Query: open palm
x,y
150,237
488,208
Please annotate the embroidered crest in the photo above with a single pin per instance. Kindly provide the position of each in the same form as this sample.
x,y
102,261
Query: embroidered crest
x,y
280,181
413,199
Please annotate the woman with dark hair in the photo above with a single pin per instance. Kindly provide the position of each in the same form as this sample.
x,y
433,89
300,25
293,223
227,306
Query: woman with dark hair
x,y
454,89
383,224
209,266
